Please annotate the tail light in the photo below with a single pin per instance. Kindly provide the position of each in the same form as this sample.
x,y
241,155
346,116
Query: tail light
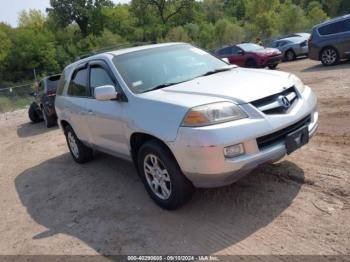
x,y
310,41
51,93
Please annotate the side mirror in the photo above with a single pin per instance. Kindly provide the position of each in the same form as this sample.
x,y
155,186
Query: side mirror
x,y
225,59
240,52
105,93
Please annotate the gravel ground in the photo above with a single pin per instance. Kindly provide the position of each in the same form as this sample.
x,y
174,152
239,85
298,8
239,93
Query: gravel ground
x,y
300,205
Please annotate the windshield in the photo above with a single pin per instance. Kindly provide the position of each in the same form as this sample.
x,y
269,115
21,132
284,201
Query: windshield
x,y
250,47
52,82
150,68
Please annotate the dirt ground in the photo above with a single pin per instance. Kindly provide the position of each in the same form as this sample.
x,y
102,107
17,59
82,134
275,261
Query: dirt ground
x,y
301,205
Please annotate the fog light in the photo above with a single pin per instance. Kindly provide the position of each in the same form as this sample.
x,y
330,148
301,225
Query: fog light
x,y
233,151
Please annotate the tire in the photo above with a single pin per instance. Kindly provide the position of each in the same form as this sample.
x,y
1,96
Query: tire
x,y
290,56
49,120
33,113
329,56
162,177
251,63
272,67
80,152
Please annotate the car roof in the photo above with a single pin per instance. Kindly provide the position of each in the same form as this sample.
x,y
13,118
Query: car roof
x,y
51,76
332,20
294,39
120,52
139,48
291,36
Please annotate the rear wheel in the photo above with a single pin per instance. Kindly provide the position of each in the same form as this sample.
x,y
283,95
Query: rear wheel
x,y
290,55
49,120
80,152
33,113
329,56
162,176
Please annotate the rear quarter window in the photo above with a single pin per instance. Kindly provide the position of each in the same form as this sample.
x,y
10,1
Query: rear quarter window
x,y
61,83
52,82
335,28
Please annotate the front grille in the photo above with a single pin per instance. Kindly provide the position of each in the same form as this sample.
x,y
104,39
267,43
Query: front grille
x,y
280,135
270,104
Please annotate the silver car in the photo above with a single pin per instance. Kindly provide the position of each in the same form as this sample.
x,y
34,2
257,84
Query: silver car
x,y
184,117
292,47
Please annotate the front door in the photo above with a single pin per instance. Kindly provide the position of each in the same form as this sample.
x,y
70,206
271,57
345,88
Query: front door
x,y
237,56
106,120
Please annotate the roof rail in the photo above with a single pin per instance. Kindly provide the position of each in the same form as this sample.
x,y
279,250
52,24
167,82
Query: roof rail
x,y
113,48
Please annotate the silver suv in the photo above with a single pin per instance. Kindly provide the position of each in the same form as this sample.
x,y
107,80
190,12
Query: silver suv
x,y
184,117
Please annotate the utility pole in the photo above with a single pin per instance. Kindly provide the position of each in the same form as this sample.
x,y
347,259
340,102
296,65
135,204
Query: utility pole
x,y
34,74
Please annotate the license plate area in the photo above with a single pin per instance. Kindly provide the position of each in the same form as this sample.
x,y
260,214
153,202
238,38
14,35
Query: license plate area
x,y
297,139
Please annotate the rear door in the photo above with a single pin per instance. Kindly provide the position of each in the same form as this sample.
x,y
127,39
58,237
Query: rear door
x,y
106,121
74,104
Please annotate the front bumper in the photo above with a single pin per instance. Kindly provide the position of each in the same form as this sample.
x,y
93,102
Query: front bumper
x,y
200,151
272,60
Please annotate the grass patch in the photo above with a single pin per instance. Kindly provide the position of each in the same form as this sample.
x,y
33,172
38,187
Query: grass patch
x,y
12,103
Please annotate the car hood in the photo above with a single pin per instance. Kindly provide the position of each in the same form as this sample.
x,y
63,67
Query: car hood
x,y
239,85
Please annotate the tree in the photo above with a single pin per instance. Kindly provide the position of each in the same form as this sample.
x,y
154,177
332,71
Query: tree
x,y
315,14
228,33
5,44
291,18
86,13
235,8
178,34
119,20
33,18
169,8
147,25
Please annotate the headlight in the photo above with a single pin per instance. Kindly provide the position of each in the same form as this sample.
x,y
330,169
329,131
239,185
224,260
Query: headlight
x,y
213,114
297,83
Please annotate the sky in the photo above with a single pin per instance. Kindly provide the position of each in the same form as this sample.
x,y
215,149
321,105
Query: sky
x,y
9,9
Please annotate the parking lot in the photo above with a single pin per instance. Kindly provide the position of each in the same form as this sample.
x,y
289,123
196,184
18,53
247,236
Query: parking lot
x,y
300,205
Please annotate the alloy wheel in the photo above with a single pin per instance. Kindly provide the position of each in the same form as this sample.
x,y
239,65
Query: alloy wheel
x,y
157,176
73,144
329,56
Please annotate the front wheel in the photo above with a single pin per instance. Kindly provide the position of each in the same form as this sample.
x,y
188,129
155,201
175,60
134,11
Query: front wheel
x,y
80,152
273,66
162,176
251,63
329,56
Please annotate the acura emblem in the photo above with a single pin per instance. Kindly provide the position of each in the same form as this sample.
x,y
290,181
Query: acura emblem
x,y
284,101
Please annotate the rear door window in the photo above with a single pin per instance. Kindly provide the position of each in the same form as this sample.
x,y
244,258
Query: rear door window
x,y
335,28
78,84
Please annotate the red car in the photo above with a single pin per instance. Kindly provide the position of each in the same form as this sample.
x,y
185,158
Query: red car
x,y
251,55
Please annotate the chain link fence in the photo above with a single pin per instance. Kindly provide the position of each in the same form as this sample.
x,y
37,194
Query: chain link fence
x,y
15,97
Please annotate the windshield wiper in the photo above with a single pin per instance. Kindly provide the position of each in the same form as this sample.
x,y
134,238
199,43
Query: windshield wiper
x,y
218,70
162,86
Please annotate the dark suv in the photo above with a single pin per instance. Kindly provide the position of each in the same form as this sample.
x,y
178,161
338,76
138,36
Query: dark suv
x,y
43,107
330,41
